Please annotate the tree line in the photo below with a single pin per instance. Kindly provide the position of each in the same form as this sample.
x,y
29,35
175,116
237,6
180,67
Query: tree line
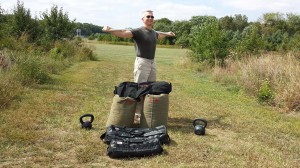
x,y
210,38
52,26
213,39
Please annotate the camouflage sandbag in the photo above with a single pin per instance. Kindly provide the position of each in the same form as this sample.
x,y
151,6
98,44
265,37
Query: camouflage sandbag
x,y
155,113
126,142
122,112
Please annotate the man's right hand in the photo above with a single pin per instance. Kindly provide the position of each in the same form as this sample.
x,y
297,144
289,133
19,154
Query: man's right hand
x,y
106,28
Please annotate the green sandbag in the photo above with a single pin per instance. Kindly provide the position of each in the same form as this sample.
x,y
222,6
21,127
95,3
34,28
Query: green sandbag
x,y
155,113
122,111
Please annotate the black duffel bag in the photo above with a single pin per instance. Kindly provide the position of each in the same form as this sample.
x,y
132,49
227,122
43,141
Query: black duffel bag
x,y
125,148
135,142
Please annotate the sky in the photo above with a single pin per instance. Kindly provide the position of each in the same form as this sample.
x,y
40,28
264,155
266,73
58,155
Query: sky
x,y
127,13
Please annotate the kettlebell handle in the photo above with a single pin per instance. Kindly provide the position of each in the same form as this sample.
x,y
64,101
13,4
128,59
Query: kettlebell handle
x,y
86,115
200,119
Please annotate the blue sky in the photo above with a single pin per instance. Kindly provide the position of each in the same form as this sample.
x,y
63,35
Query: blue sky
x,y
127,13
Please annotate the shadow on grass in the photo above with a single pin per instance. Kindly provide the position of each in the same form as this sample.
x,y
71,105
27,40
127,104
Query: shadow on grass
x,y
185,125
218,122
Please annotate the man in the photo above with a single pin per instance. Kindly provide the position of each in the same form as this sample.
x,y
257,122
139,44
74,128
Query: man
x,y
145,39
145,45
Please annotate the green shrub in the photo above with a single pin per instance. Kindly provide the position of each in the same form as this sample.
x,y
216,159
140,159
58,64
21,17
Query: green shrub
x,y
8,43
71,51
92,37
251,41
78,39
54,66
86,54
66,49
265,93
55,53
209,43
294,43
31,69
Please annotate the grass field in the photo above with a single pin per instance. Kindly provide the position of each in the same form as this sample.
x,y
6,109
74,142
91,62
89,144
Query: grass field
x,y
42,129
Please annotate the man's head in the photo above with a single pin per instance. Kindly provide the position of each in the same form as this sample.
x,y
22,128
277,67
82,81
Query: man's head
x,y
148,18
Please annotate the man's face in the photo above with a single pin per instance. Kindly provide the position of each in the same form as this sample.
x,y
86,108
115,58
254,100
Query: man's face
x,y
148,18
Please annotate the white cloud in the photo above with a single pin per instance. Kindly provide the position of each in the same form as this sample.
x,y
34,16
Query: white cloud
x,y
174,11
265,5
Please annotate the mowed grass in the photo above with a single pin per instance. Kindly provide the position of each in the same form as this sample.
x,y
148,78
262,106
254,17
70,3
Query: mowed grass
x,y
42,129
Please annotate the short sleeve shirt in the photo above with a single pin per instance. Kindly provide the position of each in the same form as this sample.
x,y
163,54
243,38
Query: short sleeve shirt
x,y
145,42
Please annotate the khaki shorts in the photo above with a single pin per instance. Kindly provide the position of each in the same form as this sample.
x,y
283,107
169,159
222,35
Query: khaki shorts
x,y
144,70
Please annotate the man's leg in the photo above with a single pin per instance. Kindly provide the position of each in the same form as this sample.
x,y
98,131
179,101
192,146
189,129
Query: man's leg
x,y
142,70
152,75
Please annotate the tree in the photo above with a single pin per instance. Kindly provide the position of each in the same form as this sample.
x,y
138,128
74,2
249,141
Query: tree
x,y
293,23
88,29
271,22
251,40
22,23
182,30
240,22
164,24
294,43
200,20
209,43
57,25
236,23
227,23
1,22
1,15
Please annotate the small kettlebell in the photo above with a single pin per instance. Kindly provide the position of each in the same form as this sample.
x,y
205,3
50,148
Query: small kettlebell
x,y
86,124
199,129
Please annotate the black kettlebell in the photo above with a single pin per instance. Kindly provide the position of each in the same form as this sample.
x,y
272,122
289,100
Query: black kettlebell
x,y
199,129
86,124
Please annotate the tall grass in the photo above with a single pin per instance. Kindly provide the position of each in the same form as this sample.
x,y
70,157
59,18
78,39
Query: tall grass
x,y
28,65
272,78
10,88
43,130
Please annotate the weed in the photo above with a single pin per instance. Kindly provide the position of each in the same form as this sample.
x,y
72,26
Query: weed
x,y
5,62
10,88
265,93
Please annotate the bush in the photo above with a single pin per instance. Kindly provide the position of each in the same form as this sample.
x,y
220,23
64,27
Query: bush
x,y
265,93
30,69
209,43
55,53
92,37
294,43
86,54
251,41
71,51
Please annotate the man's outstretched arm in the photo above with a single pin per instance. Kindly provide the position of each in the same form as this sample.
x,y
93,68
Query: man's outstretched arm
x,y
123,33
162,35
